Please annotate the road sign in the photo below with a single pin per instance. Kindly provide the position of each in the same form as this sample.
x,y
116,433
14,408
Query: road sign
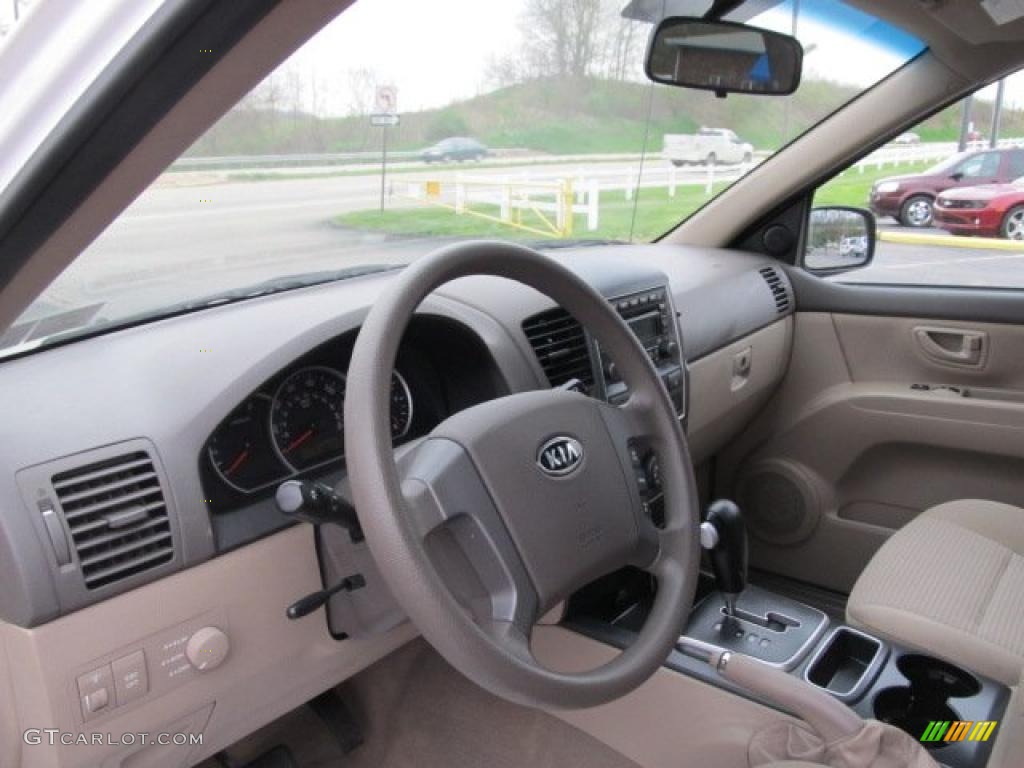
x,y
384,120
386,100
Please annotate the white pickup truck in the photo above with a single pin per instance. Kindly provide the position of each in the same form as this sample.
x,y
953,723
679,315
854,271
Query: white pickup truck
x,y
709,146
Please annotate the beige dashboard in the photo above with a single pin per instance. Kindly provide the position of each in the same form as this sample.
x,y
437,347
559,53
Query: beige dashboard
x,y
206,649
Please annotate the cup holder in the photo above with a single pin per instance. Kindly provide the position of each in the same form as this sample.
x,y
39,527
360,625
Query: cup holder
x,y
932,683
924,672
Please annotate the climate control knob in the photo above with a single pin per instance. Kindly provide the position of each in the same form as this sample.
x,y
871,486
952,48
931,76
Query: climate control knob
x,y
207,648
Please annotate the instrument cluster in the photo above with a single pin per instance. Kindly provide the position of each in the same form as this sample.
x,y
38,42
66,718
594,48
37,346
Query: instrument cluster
x,y
300,427
293,425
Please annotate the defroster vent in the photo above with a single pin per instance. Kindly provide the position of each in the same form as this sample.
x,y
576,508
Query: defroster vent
x,y
561,347
117,515
779,289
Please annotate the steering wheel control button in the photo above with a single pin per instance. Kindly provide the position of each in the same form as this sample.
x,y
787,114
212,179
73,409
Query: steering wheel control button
x,y
130,678
96,691
207,648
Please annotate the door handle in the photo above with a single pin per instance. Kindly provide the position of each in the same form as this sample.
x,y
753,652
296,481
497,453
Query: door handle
x,y
952,346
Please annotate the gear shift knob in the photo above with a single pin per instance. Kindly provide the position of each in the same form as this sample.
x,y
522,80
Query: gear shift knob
x,y
724,535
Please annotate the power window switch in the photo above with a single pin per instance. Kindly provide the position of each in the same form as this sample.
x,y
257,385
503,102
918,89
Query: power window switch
x,y
130,678
96,691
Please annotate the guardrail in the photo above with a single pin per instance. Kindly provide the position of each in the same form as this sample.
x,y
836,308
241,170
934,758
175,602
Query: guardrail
x,y
257,162
887,155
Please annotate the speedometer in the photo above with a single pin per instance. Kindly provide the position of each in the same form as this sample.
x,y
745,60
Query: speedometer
x,y
307,419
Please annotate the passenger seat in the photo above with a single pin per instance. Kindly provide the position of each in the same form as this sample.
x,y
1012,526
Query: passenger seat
x,y
951,582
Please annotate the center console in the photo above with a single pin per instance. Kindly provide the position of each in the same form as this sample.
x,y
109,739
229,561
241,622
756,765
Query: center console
x,y
652,318
951,711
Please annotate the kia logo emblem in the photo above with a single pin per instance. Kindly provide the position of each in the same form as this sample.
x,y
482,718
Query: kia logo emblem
x,y
560,455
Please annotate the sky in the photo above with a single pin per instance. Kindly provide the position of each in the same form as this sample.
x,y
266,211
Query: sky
x,y
436,52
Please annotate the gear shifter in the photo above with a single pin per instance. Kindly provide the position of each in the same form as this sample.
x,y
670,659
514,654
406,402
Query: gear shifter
x,y
724,535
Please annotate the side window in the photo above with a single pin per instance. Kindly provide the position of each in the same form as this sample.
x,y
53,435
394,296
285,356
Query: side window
x,y
947,196
1017,164
984,166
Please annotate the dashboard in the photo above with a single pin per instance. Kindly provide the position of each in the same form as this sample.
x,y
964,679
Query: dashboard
x,y
139,468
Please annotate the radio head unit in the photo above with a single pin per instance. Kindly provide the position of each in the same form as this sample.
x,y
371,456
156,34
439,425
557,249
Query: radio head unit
x,y
652,318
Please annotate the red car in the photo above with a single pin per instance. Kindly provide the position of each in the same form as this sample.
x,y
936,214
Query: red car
x,y
909,199
990,210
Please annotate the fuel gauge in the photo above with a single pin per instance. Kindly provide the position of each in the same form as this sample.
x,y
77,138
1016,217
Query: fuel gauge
x,y
240,448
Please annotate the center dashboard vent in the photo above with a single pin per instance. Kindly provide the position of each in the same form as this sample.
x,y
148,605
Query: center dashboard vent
x,y
561,347
779,289
117,516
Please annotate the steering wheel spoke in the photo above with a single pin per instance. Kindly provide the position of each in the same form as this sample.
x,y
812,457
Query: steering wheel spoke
x,y
457,523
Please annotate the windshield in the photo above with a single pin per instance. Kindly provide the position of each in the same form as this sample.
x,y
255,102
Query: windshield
x,y
405,124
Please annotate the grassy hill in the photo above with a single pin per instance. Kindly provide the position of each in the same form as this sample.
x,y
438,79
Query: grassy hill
x,y
566,116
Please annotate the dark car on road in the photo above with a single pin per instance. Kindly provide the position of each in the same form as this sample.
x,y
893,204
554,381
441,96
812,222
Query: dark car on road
x,y
910,199
457,148
992,210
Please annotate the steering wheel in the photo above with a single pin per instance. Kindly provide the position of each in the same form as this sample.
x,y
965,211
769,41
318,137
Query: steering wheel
x,y
508,507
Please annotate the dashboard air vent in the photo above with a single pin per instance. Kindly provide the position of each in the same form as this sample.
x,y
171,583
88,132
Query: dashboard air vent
x,y
561,347
780,292
117,517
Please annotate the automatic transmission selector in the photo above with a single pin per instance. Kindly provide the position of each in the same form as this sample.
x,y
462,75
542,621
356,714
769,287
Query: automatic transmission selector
x,y
770,627
724,535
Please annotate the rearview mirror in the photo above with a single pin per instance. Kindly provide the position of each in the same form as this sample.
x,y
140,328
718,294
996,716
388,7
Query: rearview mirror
x,y
723,57
839,239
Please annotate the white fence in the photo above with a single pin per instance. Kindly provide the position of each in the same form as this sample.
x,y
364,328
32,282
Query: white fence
x,y
901,154
543,193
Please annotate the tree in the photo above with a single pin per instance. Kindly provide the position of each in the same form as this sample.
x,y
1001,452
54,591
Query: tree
x,y
570,39
621,45
362,87
561,36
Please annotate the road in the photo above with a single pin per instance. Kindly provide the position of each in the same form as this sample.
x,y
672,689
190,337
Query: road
x,y
182,240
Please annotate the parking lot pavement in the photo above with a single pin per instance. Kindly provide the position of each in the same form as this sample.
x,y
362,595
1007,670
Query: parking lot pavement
x,y
938,265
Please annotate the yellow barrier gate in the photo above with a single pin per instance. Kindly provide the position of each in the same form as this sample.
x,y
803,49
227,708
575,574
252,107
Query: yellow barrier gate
x,y
515,200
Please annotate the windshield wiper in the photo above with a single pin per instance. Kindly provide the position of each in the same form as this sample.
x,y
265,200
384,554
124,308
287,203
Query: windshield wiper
x,y
35,337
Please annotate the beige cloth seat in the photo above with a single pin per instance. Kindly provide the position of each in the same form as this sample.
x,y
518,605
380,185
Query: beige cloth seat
x,y
951,582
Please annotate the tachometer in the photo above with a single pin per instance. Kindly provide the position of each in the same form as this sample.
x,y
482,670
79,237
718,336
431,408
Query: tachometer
x,y
401,406
307,418
240,450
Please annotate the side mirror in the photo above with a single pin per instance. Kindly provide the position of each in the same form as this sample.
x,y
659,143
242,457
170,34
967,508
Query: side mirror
x,y
956,176
839,239
723,57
